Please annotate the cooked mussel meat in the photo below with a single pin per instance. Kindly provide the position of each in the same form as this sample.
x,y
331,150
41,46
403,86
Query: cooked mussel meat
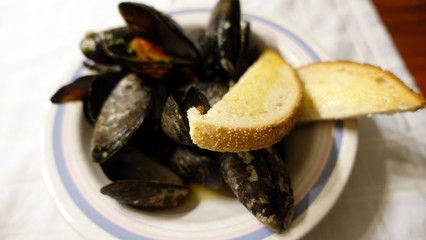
x,y
150,51
157,27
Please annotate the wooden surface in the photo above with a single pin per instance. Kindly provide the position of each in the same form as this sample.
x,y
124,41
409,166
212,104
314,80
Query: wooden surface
x,y
406,22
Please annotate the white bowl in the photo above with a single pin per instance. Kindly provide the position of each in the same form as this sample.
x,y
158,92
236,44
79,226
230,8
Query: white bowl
x,y
319,159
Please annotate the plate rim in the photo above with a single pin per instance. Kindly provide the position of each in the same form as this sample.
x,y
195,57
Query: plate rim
x,y
351,136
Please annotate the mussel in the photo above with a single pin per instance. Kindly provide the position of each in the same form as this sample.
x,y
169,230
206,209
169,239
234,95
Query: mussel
x,y
149,51
174,121
91,89
197,165
140,181
77,90
147,74
143,194
121,115
94,43
261,183
224,30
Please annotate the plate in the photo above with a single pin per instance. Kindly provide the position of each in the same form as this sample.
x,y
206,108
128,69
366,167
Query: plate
x,y
319,159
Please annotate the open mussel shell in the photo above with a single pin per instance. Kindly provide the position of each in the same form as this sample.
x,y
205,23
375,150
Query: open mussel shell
x,y
99,90
260,182
121,115
225,27
174,121
196,165
213,91
133,164
151,140
74,91
125,57
93,47
159,28
143,194
150,25
140,181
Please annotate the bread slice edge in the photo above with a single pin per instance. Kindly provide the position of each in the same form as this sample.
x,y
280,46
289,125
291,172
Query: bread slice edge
x,y
322,110
219,136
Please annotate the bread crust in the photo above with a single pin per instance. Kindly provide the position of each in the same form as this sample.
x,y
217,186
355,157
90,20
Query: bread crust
x,y
392,95
224,139
219,136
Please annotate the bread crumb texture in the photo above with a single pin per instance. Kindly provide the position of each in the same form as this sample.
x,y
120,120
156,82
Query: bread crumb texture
x,y
342,89
256,112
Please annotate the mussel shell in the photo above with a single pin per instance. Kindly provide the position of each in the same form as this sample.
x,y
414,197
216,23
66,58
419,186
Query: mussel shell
x,y
196,166
213,91
174,124
210,68
174,121
121,115
160,29
261,184
143,194
74,91
120,52
100,67
101,87
252,47
151,140
93,44
225,27
132,164
282,182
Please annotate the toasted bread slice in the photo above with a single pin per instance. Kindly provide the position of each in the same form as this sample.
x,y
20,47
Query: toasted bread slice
x,y
256,112
342,89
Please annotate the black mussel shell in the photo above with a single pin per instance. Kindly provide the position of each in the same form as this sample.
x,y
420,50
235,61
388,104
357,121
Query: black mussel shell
x,y
151,140
211,70
159,28
101,87
195,98
93,44
174,121
74,91
225,27
252,47
132,164
125,57
121,115
174,124
213,91
143,194
196,166
260,182
100,67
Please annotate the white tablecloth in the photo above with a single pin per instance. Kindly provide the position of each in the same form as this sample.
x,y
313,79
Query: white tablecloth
x,y
385,197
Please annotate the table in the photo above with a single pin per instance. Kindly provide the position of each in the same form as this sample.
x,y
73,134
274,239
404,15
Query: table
x,y
406,22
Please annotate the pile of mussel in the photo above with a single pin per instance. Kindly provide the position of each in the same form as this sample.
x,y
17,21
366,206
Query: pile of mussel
x,y
144,77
